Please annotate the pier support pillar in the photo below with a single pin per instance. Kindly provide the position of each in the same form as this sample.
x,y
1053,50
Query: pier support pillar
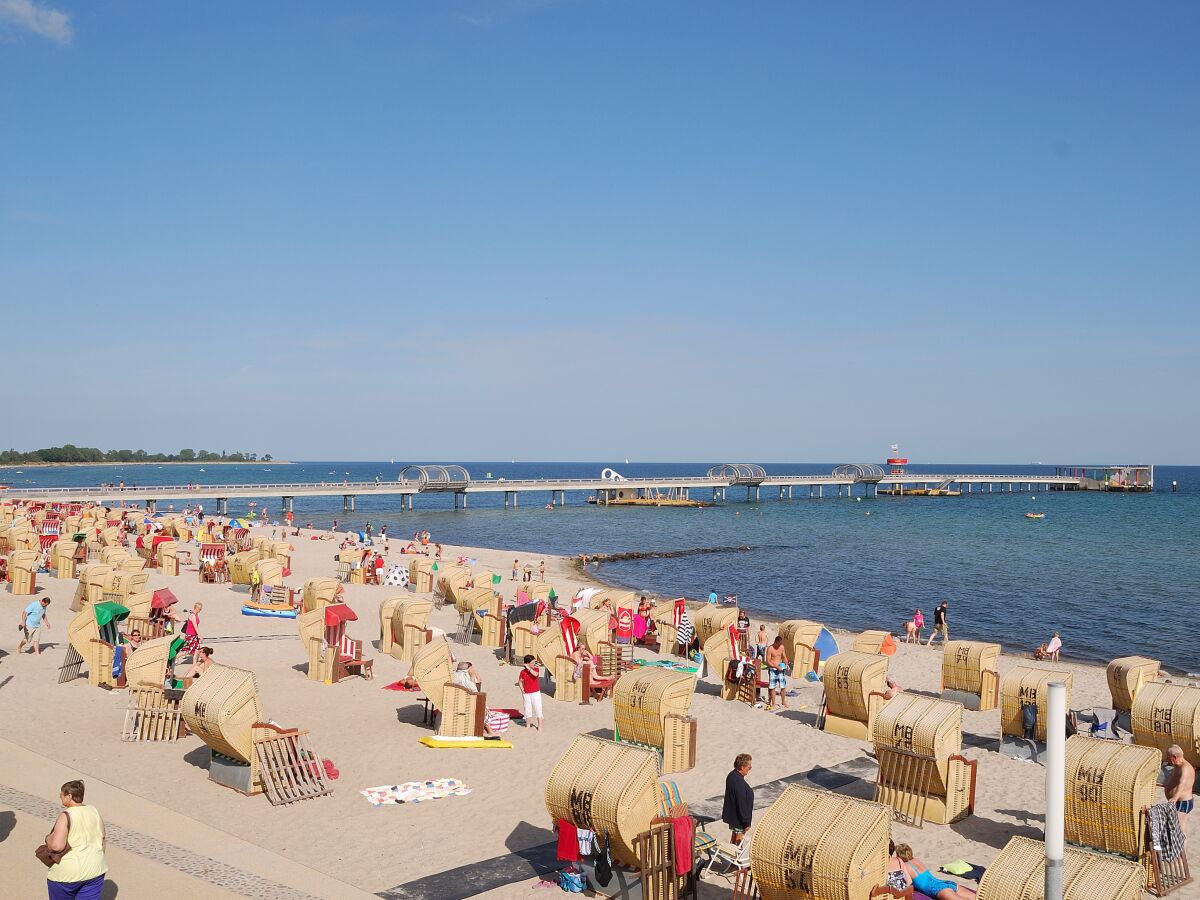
x,y
820,491
348,503
151,505
222,506
287,504
460,500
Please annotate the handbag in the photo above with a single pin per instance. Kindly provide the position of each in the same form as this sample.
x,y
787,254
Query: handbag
x,y
50,857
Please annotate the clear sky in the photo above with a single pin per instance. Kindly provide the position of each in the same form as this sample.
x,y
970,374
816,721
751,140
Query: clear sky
x,y
596,230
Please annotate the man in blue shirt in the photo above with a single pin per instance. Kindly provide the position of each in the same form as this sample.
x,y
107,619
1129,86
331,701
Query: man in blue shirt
x,y
32,620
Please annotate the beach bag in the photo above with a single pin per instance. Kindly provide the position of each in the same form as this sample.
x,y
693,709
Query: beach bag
x,y
572,881
49,857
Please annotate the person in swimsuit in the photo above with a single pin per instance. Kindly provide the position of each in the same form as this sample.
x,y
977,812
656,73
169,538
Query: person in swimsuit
x,y
761,642
1179,785
924,881
776,662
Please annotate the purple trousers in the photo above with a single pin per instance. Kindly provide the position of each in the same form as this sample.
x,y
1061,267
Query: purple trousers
x,y
76,890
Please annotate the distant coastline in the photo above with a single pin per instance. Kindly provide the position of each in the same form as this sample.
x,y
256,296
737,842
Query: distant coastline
x,y
174,462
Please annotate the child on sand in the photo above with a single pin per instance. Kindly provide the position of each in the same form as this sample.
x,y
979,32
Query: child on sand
x,y
530,682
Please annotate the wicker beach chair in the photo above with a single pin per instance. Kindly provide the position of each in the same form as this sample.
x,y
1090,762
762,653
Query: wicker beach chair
x,y
1126,676
1165,714
969,674
332,654
650,709
1019,873
608,787
246,753
152,713
460,712
922,773
1023,696
408,627
815,844
800,642
854,693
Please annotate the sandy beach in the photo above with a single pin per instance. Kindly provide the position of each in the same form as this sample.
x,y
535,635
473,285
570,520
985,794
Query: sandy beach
x,y
340,846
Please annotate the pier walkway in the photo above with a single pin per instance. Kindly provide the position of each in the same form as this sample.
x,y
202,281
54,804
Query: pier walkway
x,y
845,481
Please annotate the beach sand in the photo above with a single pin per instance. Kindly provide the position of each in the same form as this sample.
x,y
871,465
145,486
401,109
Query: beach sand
x,y
341,846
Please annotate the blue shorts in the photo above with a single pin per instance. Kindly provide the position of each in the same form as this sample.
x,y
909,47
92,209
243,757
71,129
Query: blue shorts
x,y
777,680
1184,806
76,890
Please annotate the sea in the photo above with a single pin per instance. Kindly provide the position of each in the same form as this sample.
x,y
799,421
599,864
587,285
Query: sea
x,y
1116,574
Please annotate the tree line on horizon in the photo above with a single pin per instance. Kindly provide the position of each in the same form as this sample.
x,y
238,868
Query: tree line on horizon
x,y
69,453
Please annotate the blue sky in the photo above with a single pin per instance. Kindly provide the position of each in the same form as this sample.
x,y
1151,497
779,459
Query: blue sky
x,y
598,230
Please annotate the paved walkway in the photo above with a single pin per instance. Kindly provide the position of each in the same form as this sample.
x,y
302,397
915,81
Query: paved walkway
x,y
199,861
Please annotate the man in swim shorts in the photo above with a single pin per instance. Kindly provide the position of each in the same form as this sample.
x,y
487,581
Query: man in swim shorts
x,y
1179,785
777,666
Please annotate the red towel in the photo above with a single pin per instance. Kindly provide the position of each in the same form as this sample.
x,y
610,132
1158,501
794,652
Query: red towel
x,y
568,841
398,686
681,829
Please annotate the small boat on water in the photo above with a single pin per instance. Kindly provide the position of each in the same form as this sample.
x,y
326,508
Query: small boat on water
x,y
1035,515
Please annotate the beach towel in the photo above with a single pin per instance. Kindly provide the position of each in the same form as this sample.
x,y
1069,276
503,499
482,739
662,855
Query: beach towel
x,y
415,791
568,841
496,721
686,630
1165,833
399,686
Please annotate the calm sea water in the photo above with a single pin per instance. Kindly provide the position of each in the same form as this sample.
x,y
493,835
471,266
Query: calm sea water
x,y
1115,573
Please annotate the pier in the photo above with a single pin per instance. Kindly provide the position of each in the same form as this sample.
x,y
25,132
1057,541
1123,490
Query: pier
x,y
845,481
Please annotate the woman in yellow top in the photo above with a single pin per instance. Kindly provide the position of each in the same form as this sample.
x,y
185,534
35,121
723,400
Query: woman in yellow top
x,y
80,873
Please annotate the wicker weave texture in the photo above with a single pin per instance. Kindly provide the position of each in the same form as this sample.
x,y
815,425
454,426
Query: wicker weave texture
x,y
799,639
537,590
387,610
270,571
409,619
663,616
607,787
922,725
643,698
549,648
149,664
713,620
1022,685
241,564
476,598
567,687
964,662
1108,785
1126,676
431,668
870,642
1018,873
849,679
318,592
717,654
421,575
1166,714
593,628
815,844
221,709
311,625
448,577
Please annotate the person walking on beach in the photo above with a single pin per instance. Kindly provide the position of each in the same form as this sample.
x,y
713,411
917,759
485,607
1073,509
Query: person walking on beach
x,y
516,566
255,584
78,834
1179,785
776,662
33,617
940,625
529,680
542,570
913,627
737,810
